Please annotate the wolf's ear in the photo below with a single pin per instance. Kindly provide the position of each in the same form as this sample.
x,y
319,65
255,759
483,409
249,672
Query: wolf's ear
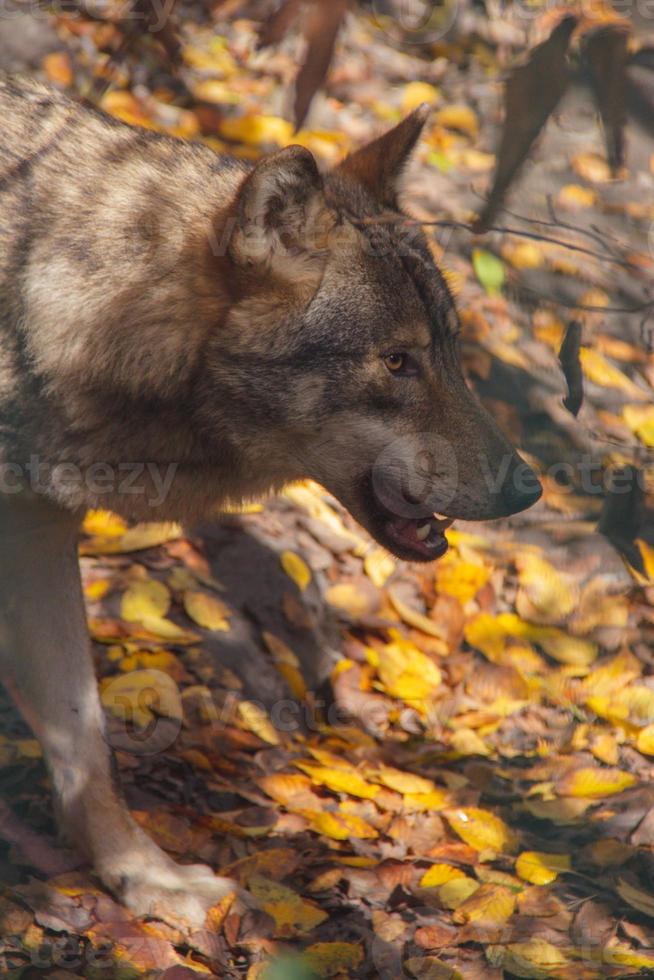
x,y
379,165
278,210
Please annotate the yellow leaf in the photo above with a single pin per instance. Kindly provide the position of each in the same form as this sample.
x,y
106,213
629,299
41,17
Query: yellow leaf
x,y
58,68
461,579
340,780
623,956
255,719
144,600
415,93
458,117
535,958
96,590
339,826
439,874
407,673
293,678
415,619
333,959
482,830
293,915
378,566
545,595
206,610
539,868
404,782
218,60
594,783
604,747
524,255
134,539
346,597
138,696
465,741
645,740
286,788
258,130
456,891
575,198
640,419
598,370
592,167
104,524
438,799
488,907
490,634
296,568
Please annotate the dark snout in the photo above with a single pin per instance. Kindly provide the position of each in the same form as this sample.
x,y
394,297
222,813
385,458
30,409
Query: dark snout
x,y
520,490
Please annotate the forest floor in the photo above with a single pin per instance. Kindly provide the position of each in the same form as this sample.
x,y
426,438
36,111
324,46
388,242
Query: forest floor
x,y
434,771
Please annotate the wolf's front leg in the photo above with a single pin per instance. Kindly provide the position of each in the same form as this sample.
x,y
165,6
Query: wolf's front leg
x,y
46,662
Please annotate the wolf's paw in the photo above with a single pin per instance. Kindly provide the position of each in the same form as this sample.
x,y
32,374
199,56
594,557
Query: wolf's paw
x,y
174,892
148,882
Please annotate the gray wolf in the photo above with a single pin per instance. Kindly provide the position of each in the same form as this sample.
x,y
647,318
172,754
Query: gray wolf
x,y
222,329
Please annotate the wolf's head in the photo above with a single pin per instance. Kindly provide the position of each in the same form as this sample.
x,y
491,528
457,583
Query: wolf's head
x,y
339,357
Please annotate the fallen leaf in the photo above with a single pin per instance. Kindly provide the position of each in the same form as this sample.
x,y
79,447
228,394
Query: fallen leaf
x,y
540,869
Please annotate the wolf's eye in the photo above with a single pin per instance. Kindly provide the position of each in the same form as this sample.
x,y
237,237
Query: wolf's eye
x,y
400,363
395,362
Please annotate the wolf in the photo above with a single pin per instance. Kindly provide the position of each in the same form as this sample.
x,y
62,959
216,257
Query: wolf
x,y
216,328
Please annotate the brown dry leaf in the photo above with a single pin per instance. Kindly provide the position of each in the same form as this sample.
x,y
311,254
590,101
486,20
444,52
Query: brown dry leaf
x,y
323,22
638,898
592,167
528,105
333,959
571,366
605,51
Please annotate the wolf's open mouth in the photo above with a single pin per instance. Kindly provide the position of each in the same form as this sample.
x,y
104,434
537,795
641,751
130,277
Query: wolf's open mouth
x,y
415,538
422,535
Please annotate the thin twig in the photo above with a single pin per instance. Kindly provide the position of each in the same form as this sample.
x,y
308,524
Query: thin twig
x,y
533,235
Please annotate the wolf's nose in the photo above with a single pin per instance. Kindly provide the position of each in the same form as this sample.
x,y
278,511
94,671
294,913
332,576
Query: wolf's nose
x,y
521,489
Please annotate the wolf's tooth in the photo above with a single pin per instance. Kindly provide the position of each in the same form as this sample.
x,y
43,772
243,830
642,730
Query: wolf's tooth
x,y
440,517
423,531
